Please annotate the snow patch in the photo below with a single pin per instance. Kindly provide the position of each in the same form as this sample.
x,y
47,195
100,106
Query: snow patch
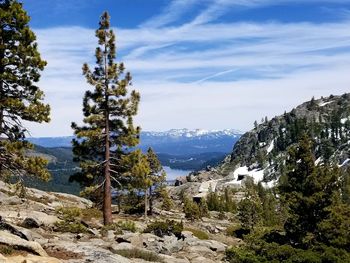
x,y
195,133
270,148
344,163
240,173
344,120
324,103
318,161
270,184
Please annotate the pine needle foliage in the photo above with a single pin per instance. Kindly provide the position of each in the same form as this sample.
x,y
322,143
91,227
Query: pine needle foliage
x,y
108,131
20,97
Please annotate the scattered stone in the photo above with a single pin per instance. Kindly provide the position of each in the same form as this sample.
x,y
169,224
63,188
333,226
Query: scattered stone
x,y
201,250
110,235
31,259
122,246
180,180
94,232
171,259
171,245
202,260
213,245
2,258
30,223
18,216
95,250
11,200
187,234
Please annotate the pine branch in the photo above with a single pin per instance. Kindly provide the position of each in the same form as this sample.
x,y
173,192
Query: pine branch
x,y
114,179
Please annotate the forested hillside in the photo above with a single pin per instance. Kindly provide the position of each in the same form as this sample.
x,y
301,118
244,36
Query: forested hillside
x,y
60,166
325,120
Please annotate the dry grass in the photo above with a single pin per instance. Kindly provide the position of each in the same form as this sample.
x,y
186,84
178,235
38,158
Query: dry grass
x,y
138,253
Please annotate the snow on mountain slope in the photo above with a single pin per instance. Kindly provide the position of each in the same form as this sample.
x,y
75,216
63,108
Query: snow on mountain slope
x,y
193,133
174,141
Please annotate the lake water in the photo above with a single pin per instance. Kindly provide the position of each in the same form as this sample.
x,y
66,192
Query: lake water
x,y
173,173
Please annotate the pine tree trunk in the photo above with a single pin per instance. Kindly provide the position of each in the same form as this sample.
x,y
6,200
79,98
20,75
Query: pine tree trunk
x,y
1,131
107,197
1,115
150,201
146,208
2,70
1,111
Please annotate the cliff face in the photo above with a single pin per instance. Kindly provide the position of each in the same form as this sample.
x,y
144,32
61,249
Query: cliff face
x,y
261,152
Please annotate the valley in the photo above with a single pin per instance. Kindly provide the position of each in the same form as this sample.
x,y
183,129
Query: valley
x,y
179,151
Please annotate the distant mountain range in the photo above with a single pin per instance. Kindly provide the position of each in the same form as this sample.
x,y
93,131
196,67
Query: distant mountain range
x,y
180,149
174,142
189,142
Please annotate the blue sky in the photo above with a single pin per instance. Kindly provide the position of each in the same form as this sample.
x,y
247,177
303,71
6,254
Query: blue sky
x,y
210,64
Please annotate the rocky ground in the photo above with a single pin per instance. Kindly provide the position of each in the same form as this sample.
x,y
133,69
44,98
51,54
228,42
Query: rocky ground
x,y
28,233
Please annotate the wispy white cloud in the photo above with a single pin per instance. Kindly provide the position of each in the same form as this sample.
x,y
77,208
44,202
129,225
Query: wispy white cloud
x,y
171,13
215,75
203,74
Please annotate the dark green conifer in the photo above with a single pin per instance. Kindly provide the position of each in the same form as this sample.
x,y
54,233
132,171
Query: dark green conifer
x,y
167,203
191,209
108,132
203,208
309,192
250,207
20,98
157,174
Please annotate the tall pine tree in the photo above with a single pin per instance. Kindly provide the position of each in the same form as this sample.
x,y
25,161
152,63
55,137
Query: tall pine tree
x,y
108,117
20,97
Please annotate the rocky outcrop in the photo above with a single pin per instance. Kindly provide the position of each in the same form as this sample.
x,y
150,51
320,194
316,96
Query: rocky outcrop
x,y
29,259
27,226
12,240
326,120
186,248
261,152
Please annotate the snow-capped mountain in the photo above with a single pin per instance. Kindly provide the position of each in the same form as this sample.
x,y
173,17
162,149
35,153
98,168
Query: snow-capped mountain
x,y
178,148
198,140
185,141
194,133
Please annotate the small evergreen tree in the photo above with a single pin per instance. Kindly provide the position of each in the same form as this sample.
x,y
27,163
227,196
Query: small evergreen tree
x,y
167,203
229,203
250,208
139,173
191,209
203,208
108,132
157,174
213,201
